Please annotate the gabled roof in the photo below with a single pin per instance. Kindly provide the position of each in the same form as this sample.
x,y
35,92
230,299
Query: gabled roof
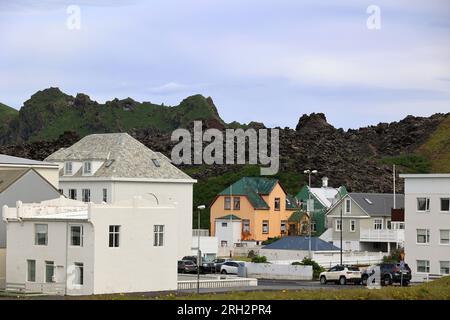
x,y
296,216
253,188
229,217
10,160
301,243
122,157
291,202
8,177
327,196
378,204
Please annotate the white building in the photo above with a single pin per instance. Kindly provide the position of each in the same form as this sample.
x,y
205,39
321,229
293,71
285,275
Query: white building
x,y
68,247
228,230
114,167
208,245
427,223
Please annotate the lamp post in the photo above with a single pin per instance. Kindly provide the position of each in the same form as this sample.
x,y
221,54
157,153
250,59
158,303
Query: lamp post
x,y
199,208
309,172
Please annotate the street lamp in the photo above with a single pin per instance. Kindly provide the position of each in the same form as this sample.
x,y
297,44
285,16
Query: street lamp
x,y
309,172
199,208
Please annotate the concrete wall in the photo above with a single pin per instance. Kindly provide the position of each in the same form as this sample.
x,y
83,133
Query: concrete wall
x,y
29,188
2,268
275,254
278,271
208,246
434,220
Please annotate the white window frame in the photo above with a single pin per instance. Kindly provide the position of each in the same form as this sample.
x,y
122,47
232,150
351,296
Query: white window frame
x,y
427,237
115,232
378,222
427,266
79,274
440,205
348,206
75,195
237,200
68,168
337,222
245,225
46,265
265,227
224,224
36,234
227,203
83,198
352,225
440,237
275,204
81,235
105,195
440,267
158,235
87,168
313,226
28,270
427,204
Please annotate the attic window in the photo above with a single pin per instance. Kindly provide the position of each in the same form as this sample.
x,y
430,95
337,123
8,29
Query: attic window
x,y
109,163
156,163
368,201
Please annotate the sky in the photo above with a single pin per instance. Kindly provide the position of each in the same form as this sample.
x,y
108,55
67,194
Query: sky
x,y
266,61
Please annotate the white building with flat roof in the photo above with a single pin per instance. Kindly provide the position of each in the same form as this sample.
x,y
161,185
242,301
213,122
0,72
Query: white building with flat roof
x,y
107,168
427,224
68,247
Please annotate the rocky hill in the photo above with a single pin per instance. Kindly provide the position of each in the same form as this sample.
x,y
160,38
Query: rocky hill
x,y
361,159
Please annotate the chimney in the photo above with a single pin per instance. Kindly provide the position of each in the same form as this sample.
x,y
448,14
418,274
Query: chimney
x,y
324,182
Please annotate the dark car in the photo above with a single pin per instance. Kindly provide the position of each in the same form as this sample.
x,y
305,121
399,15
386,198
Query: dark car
x,y
390,273
186,266
192,258
218,263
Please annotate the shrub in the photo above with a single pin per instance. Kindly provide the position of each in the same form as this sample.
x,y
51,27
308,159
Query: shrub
x,y
394,256
251,254
317,269
270,240
259,259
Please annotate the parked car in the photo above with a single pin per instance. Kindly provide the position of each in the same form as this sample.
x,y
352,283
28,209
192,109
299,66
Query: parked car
x,y
208,267
186,266
192,258
390,273
231,267
341,275
218,262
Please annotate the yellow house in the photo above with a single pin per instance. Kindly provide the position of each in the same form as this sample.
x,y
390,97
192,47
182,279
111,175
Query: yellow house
x,y
259,207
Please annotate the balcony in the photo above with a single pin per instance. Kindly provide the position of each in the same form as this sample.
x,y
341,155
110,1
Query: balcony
x,y
384,235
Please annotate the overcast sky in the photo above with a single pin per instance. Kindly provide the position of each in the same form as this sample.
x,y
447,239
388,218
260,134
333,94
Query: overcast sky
x,y
269,61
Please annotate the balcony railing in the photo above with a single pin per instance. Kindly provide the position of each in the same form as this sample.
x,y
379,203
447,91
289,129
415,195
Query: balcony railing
x,y
384,235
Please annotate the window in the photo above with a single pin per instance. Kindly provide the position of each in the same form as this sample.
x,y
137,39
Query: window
x,y
73,194
423,266
158,235
224,224
236,203
444,236
105,195
79,273
352,225
41,234
277,204
61,191
338,225
114,233
445,204
227,203
223,243
423,236
423,204
49,271
31,270
444,267
313,226
86,193
245,225
348,206
378,224
156,163
265,226
87,168
388,224
76,236
68,168
283,226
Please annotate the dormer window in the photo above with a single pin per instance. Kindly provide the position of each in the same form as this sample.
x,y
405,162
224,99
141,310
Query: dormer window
x,y
68,168
87,168
156,163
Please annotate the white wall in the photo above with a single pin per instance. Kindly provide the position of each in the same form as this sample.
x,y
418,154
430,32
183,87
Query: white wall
x,y
208,246
279,271
231,233
434,188
2,268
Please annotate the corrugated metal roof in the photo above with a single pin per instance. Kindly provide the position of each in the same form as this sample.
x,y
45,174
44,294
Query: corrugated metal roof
x,y
378,204
301,243
5,159
131,159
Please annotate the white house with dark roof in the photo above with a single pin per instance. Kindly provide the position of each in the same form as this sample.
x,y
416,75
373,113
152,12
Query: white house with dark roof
x,y
64,246
366,222
107,168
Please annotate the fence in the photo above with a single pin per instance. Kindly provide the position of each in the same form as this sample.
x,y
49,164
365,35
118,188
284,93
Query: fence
x,y
279,271
217,283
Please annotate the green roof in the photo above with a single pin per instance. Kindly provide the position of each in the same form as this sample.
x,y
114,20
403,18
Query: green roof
x,y
296,216
291,202
252,188
229,217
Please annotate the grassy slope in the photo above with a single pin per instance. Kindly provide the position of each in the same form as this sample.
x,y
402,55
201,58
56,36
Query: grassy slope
x,y
6,115
437,147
